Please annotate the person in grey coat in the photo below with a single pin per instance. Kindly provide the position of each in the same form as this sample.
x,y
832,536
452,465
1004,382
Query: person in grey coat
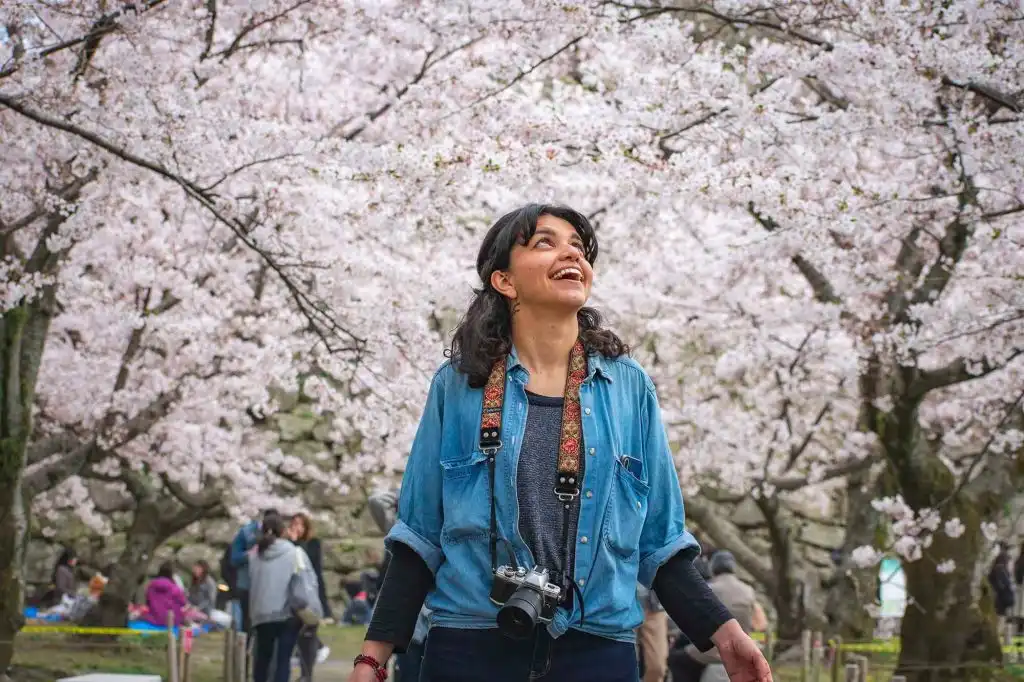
x,y
271,567
383,508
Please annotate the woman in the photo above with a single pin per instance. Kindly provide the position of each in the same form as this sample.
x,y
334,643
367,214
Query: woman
x,y
1002,586
271,568
65,584
202,595
541,444
311,650
164,596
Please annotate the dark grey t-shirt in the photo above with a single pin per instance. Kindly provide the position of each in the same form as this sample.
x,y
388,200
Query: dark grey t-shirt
x,y
541,514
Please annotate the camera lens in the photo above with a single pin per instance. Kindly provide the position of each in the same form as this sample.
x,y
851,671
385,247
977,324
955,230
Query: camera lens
x,y
519,615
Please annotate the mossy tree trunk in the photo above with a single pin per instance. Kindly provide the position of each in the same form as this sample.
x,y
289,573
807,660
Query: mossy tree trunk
x,y
23,330
949,629
160,508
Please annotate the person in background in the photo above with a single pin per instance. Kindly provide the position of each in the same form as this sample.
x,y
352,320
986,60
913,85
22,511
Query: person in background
x,y
1002,586
652,636
383,507
163,596
65,584
311,649
274,625
741,600
1018,578
245,539
202,594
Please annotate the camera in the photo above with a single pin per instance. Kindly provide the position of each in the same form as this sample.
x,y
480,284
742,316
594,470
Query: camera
x,y
526,598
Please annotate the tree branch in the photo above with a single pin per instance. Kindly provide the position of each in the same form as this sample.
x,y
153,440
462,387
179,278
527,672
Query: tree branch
x,y
322,320
822,288
956,372
55,470
106,23
713,521
192,500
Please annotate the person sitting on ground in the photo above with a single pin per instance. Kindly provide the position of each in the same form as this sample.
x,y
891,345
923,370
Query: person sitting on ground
x,y
64,582
741,600
163,597
202,595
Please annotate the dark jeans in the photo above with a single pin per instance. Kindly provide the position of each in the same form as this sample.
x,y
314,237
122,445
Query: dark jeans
x,y
274,644
407,665
308,645
454,655
243,602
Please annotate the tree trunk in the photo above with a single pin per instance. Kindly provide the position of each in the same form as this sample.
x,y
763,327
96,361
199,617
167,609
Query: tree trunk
x,y
950,620
145,535
851,587
948,625
22,333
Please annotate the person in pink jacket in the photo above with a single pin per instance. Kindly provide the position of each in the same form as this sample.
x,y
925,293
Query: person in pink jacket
x,y
164,596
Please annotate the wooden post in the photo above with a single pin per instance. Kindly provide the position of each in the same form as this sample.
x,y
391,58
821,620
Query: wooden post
x,y
186,654
852,672
172,651
805,656
837,659
816,656
769,645
241,665
863,663
229,653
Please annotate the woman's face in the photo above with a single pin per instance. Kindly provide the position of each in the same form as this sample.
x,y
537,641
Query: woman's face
x,y
549,271
297,528
197,572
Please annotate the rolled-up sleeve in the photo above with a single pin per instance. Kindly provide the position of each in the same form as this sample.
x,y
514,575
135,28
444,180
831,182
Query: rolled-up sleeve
x,y
420,511
664,533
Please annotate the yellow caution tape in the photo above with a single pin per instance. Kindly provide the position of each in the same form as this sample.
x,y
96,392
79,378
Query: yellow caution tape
x,y
76,630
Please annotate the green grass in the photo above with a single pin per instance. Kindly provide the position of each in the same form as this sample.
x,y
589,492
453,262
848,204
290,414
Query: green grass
x,y
49,657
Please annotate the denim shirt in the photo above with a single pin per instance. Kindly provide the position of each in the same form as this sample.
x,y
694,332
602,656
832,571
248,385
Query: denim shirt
x,y
631,514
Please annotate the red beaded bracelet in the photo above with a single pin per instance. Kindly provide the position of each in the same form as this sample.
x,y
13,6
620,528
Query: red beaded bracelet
x,y
379,670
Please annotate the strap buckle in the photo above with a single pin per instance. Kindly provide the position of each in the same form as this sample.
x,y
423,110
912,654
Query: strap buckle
x,y
567,496
490,450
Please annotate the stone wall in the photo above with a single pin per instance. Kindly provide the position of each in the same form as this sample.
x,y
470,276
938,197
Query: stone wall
x,y
351,540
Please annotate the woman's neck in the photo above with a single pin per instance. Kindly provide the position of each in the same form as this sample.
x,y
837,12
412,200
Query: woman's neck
x,y
543,346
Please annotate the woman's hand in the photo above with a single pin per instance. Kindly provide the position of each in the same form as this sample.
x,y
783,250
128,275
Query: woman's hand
x,y
362,673
379,651
741,657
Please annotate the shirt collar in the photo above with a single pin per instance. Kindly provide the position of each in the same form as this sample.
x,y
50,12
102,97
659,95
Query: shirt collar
x,y
597,365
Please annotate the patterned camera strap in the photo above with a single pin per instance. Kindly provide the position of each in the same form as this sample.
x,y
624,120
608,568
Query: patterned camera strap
x,y
570,445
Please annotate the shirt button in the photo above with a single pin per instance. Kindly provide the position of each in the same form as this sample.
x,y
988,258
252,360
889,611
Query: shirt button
x,y
582,581
586,410
590,493
591,450
583,539
639,505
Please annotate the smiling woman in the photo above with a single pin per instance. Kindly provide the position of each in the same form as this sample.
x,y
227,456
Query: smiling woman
x,y
540,488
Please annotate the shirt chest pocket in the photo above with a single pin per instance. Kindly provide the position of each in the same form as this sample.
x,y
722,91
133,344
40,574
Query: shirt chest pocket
x,y
466,498
627,510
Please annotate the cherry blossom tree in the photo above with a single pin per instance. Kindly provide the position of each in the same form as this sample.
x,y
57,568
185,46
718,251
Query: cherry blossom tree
x,y
808,213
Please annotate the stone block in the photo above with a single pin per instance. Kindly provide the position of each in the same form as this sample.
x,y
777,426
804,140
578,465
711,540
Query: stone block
x,y
188,555
344,556
294,427
821,535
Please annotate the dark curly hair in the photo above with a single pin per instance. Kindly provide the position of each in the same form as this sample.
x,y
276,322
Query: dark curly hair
x,y
485,332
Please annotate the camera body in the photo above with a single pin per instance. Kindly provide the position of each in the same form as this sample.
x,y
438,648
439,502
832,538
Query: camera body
x,y
526,598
